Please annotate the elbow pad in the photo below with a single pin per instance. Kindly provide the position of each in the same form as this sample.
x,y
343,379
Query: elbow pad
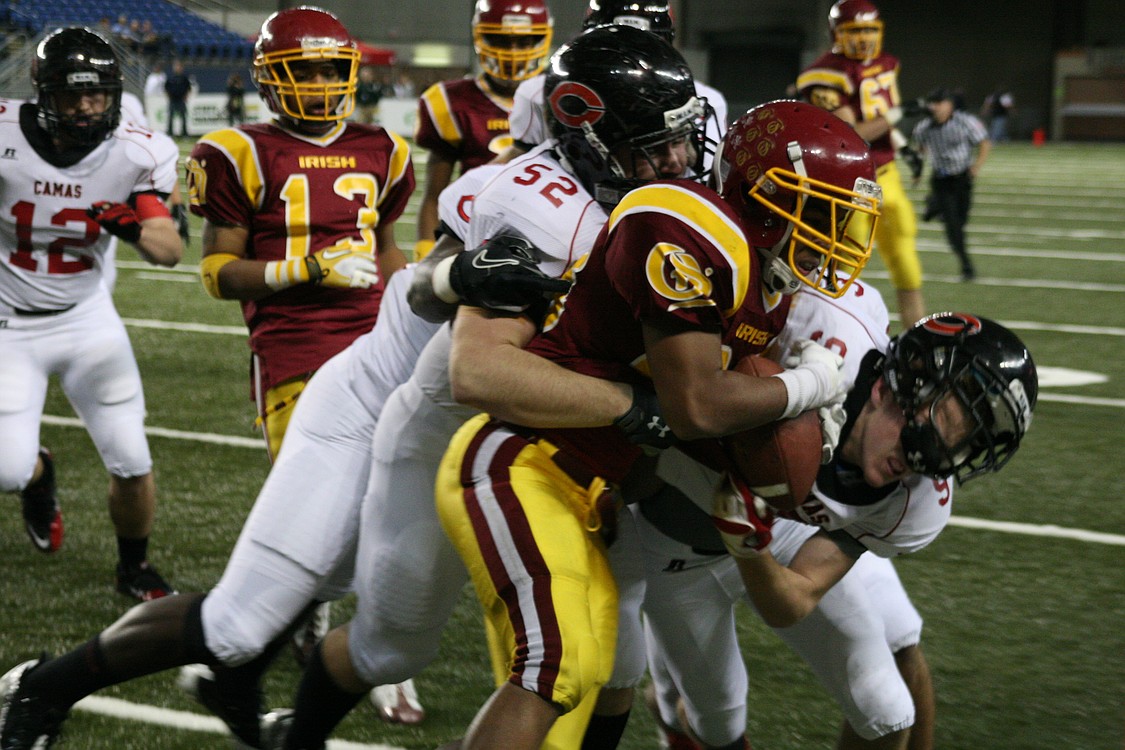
x,y
209,268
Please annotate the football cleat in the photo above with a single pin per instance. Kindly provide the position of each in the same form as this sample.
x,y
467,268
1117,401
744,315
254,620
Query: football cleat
x,y
26,722
398,704
41,514
240,710
274,727
142,583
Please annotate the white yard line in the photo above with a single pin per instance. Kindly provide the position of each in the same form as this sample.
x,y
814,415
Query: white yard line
x,y
185,720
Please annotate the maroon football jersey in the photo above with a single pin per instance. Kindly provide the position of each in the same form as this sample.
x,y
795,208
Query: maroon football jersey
x,y
297,195
870,88
673,252
463,121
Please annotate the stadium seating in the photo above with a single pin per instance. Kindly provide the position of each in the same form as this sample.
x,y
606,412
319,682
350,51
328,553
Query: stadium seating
x,y
192,36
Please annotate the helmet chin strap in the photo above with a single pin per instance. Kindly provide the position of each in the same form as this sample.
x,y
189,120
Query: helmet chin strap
x,y
776,273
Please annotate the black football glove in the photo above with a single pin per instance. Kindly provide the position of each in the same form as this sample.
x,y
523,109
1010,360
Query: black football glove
x,y
119,219
643,424
503,274
180,216
913,160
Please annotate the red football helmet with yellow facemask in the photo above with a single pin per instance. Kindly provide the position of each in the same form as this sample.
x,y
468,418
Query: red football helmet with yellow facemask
x,y
290,47
512,38
857,30
796,174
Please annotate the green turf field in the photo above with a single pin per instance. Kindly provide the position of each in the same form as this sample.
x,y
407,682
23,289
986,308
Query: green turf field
x,y
1024,624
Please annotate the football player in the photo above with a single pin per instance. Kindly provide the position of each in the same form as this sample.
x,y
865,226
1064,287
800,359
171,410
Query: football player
x,y
948,400
858,81
409,578
464,122
299,214
682,281
528,122
77,178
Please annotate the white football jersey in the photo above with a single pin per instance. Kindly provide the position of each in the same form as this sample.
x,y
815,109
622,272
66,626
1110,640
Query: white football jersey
x,y
50,252
528,124
455,204
917,510
535,198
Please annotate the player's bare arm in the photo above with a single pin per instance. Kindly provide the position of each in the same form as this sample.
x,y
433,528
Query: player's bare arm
x,y
697,396
144,222
160,242
388,256
439,173
785,595
239,277
228,274
490,370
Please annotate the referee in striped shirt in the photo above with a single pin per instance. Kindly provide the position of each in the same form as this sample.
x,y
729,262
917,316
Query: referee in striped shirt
x,y
957,144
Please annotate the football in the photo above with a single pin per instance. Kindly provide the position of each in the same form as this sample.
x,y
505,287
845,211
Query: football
x,y
778,461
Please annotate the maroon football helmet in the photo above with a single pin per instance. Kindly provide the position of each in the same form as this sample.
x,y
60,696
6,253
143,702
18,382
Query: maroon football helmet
x,y
512,38
857,30
289,41
796,174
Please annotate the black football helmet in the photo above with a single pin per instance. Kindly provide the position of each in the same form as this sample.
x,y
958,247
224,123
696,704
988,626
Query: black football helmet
x,y
616,86
653,16
75,59
981,364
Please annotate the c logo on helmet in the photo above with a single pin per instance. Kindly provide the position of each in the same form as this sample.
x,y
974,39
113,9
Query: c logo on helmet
x,y
953,324
575,104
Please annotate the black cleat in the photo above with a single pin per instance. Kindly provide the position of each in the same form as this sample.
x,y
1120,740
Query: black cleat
x,y
41,514
142,583
240,710
27,722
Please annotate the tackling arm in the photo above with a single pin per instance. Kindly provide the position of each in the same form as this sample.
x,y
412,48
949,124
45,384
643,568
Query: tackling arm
x,y
490,370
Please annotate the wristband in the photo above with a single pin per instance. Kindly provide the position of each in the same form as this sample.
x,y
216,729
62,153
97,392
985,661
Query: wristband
x,y
280,274
796,390
209,268
442,287
898,140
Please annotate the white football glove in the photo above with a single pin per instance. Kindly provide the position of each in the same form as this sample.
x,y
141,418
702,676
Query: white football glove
x,y
832,420
743,519
815,378
343,267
